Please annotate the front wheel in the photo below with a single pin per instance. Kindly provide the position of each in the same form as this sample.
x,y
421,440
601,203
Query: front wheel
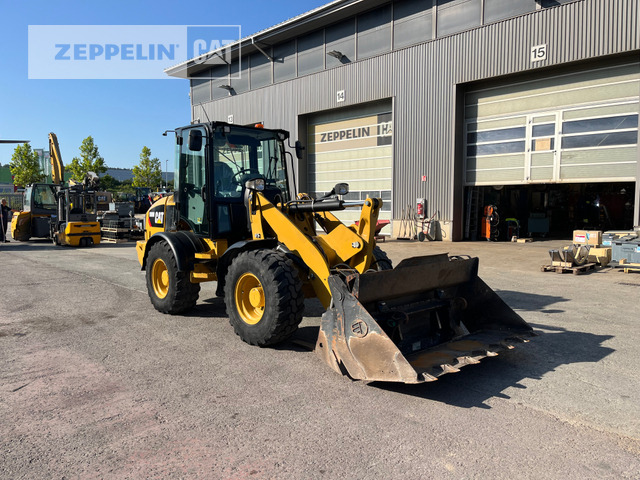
x,y
263,296
170,291
380,260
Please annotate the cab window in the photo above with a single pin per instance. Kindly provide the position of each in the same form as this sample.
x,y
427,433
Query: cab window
x,y
192,180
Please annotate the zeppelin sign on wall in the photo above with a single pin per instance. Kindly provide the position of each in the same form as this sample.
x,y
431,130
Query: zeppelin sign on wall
x,y
372,131
357,151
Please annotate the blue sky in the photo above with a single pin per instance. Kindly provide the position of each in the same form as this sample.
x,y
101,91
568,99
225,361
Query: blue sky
x,y
121,115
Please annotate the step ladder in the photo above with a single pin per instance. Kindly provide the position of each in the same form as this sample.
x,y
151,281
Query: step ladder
x,y
475,197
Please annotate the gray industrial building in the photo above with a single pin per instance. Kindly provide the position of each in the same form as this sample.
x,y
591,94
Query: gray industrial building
x,y
529,105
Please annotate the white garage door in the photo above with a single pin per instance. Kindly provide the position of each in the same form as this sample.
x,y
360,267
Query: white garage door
x,y
574,128
354,147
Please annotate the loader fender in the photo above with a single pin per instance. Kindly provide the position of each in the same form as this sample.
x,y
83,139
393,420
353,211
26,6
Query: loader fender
x,y
183,244
232,252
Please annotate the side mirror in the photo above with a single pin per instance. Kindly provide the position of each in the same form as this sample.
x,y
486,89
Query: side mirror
x,y
341,188
299,150
195,140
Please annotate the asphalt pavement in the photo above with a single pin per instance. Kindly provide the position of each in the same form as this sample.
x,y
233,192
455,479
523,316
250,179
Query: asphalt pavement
x,y
94,383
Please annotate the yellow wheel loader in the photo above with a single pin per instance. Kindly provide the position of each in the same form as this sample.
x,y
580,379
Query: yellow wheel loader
x,y
234,219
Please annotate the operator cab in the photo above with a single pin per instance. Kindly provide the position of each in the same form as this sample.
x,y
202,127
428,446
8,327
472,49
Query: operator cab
x,y
40,198
214,163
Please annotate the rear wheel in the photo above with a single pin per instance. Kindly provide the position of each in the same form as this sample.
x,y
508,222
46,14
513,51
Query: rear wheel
x,y
170,291
263,295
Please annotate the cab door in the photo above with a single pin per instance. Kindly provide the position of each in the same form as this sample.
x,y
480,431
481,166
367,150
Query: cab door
x,y
192,180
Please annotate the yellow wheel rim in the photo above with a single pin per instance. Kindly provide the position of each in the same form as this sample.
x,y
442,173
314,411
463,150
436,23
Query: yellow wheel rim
x,y
249,297
160,278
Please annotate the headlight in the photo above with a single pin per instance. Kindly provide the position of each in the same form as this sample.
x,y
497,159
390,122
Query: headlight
x,y
255,184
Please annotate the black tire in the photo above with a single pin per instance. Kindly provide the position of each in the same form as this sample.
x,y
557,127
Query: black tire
x,y
275,310
421,236
174,294
380,260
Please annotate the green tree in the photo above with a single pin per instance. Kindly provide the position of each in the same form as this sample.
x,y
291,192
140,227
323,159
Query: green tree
x,y
24,166
89,161
107,182
148,173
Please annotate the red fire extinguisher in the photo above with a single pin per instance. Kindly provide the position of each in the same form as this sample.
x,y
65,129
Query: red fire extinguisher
x,y
420,207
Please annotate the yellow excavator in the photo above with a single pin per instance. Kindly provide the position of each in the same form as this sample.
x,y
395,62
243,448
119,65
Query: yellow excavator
x,y
67,215
40,201
234,218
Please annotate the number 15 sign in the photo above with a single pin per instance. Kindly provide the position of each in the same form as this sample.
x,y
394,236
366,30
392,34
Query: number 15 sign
x,y
539,53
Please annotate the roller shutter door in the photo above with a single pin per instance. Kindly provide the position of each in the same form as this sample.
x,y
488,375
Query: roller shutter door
x,y
573,128
355,147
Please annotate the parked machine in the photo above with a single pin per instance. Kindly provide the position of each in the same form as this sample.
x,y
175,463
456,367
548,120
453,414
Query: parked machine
x,y
141,199
234,218
39,201
76,221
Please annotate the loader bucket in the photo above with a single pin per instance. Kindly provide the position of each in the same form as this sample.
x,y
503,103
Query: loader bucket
x,y
427,317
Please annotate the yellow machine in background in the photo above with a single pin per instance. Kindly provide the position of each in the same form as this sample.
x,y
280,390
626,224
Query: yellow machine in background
x,y
76,222
35,218
39,201
235,218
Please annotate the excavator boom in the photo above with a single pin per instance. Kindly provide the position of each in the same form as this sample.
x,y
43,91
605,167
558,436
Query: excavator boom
x,y
57,167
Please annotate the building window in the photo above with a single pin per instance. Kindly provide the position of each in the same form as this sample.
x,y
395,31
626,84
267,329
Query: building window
x,y
412,22
499,9
543,137
553,3
496,142
219,76
374,32
457,15
201,87
341,38
311,53
240,75
600,132
260,69
284,61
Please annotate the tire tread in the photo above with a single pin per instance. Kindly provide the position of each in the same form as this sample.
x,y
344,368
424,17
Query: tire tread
x,y
184,295
288,298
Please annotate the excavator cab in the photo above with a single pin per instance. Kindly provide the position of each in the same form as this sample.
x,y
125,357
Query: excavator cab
x,y
235,218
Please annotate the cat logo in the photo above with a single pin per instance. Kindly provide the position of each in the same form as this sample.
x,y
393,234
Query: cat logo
x,y
156,217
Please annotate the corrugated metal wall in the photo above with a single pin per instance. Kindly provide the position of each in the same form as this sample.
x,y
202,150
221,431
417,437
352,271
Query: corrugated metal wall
x,y
423,81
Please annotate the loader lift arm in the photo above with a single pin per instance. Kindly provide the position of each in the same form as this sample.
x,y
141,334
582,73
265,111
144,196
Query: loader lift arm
x,y
348,247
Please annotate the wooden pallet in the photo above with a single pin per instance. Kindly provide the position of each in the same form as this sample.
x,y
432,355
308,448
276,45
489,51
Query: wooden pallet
x,y
567,269
113,240
628,266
